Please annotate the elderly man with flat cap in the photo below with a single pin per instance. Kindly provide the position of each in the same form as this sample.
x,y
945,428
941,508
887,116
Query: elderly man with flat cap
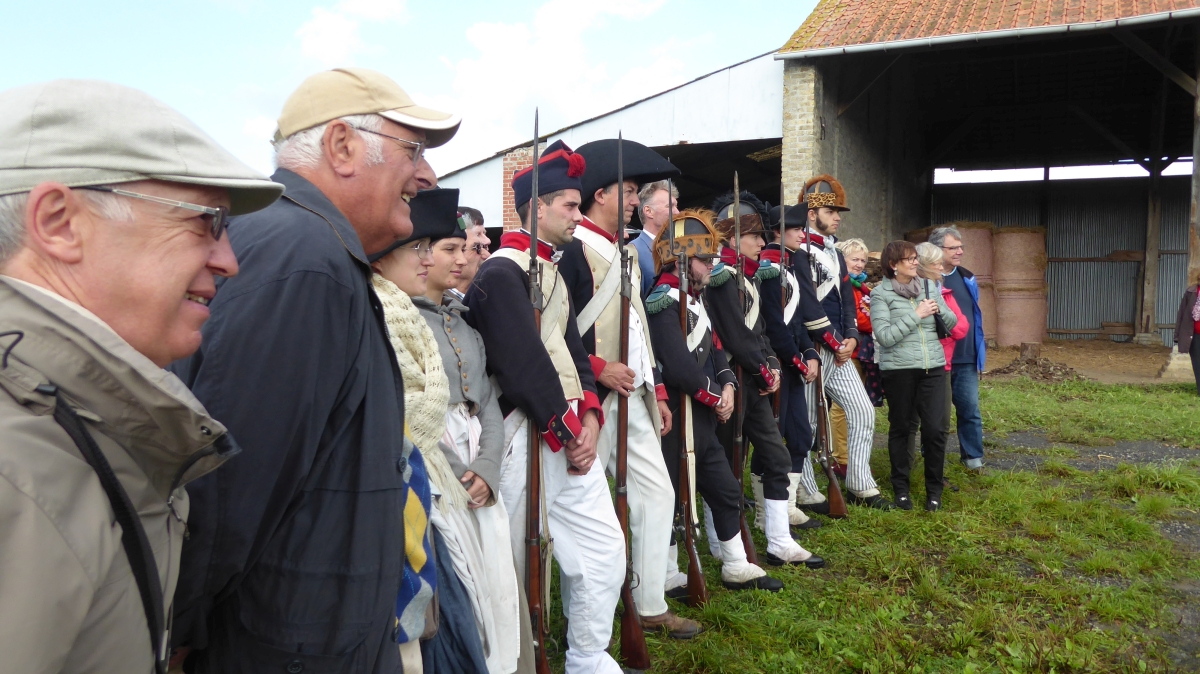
x,y
298,556
113,210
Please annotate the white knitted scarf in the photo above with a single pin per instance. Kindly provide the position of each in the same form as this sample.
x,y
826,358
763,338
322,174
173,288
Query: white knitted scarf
x,y
426,389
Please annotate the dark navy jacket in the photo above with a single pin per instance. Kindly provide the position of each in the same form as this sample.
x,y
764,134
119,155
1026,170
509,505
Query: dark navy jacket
x,y
843,315
295,549
791,340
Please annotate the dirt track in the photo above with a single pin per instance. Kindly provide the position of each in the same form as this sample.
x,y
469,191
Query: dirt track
x,y
1100,360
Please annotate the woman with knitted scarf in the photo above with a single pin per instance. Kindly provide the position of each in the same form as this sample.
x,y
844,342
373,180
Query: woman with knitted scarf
x,y
477,609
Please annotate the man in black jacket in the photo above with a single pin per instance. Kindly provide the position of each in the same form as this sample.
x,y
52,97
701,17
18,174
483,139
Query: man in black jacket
x,y
825,201
296,554
546,375
698,378
735,304
793,316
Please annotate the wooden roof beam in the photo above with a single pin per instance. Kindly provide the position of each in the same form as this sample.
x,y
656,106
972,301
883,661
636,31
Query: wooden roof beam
x,y
1160,62
1111,137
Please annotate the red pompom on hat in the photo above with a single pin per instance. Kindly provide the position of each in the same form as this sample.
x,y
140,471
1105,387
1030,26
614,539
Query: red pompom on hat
x,y
576,165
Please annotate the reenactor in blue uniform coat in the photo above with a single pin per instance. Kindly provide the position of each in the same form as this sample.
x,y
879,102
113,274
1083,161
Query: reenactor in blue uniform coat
x,y
734,301
698,377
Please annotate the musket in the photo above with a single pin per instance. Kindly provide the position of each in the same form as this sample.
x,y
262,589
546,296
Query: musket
x,y
739,441
782,290
697,590
837,503
535,548
633,640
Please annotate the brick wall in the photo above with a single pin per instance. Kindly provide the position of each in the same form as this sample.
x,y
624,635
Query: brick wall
x,y
514,161
801,126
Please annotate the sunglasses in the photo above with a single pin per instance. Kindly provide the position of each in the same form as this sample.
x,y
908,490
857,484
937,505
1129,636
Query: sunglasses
x,y
217,218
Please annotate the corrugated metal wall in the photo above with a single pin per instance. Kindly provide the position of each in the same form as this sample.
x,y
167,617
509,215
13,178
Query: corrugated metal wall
x,y
1086,219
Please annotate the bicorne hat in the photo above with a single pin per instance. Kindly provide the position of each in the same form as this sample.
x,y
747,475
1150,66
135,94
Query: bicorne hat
x,y
641,165
796,216
434,216
559,168
824,191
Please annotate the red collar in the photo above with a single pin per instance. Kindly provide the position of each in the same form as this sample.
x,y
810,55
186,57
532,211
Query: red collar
x,y
591,226
814,237
772,253
729,257
519,239
672,280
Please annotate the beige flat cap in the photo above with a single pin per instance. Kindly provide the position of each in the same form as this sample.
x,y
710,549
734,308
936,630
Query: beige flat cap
x,y
88,132
343,92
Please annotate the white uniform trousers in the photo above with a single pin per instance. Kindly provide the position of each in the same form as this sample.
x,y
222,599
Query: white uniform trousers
x,y
651,497
845,387
588,545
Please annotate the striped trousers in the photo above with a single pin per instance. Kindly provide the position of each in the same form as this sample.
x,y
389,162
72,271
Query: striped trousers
x,y
844,387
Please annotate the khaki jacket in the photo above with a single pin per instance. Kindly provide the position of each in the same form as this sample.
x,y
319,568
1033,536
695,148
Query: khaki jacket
x,y
68,598
607,329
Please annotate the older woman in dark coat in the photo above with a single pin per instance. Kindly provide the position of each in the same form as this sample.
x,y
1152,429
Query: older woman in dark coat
x,y
1187,324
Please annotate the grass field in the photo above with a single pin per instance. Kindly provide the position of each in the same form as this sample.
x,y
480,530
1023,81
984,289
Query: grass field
x,y
1057,570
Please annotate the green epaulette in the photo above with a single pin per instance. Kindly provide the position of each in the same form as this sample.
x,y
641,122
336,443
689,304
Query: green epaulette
x,y
766,270
720,275
660,298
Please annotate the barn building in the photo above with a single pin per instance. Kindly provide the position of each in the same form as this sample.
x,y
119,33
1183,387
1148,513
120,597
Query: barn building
x,y
880,93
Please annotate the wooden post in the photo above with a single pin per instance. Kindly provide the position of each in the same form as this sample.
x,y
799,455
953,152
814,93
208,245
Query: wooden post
x,y
1144,329
1193,221
1178,367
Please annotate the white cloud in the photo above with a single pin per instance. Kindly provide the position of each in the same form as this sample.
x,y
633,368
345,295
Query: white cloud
x,y
330,38
545,63
259,128
376,10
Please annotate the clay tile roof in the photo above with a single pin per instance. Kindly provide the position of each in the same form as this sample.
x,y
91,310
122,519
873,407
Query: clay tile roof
x,y
843,23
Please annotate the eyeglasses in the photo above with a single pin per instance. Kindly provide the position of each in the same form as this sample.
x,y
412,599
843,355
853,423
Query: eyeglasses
x,y
422,249
912,260
217,218
477,248
418,147
953,248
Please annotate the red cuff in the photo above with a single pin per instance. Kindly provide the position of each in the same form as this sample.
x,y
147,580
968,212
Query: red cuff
x,y
706,397
598,364
767,376
591,402
800,365
831,341
660,391
559,433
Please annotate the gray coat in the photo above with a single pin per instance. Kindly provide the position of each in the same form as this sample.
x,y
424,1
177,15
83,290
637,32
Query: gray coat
x,y
462,350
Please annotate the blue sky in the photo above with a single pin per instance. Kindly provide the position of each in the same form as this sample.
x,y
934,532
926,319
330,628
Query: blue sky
x,y
229,64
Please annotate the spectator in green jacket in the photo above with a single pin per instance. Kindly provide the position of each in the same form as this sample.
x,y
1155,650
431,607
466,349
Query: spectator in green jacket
x,y
913,365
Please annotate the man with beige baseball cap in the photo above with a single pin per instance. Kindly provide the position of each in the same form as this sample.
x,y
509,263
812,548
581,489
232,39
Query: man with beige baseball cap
x,y
298,553
113,210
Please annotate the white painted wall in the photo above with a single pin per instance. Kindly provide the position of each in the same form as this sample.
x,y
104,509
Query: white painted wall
x,y
480,186
743,102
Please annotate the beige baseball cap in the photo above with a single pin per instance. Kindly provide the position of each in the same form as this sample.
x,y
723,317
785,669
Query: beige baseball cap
x,y
358,91
88,132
